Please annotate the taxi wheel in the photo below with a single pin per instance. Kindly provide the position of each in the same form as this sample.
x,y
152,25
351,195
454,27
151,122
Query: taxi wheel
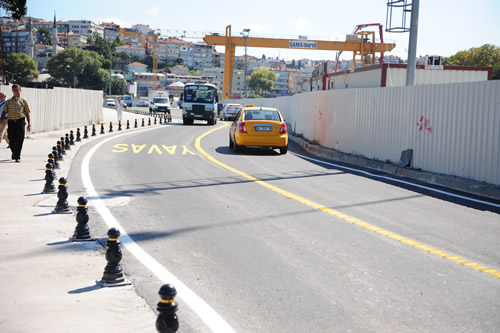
x,y
283,150
236,147
231,145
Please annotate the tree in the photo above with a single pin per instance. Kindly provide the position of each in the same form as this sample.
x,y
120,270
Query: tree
x,y
486,55
136,58
262,80
79,68
45,34
117,87
98,44
192,72
179,61
16,7
22,67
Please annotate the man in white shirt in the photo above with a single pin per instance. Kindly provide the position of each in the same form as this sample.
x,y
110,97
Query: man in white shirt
x,y
119,108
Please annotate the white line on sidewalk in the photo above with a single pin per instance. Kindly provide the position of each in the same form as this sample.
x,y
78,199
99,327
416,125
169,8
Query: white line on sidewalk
x,y
204,311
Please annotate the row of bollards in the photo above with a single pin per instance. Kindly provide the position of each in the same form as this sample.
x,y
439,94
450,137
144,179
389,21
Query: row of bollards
x,y
113,275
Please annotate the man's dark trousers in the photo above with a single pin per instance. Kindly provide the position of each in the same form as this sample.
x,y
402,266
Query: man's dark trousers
x,y
15,132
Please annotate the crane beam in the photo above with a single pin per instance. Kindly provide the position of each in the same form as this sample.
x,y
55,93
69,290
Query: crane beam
x,y
361,46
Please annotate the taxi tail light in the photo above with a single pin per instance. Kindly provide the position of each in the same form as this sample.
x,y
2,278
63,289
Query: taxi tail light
x,y
283,128
242,128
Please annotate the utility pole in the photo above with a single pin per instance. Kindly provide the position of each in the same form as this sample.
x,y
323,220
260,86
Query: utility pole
x,y
412,45
245,35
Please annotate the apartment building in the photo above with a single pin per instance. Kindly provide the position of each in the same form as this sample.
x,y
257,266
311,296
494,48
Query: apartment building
x,y
85,27
131,50
111,31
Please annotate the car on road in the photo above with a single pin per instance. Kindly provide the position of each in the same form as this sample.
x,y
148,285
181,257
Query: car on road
x,y
259,127
110,102
142,104
229,111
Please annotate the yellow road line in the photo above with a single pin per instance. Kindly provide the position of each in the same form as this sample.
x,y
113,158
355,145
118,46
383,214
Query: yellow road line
x,y
347,218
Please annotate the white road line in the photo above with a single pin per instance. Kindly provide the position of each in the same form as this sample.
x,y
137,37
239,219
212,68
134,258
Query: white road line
x,y
401,181
204,311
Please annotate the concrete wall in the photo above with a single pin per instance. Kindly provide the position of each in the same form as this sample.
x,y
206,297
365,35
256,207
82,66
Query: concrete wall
x,y
453,129
60,108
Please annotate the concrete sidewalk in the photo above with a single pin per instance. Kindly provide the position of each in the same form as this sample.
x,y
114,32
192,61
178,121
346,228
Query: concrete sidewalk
x,y
48,283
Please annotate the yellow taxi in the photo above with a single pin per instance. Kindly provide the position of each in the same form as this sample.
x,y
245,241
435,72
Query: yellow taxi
x,y
258,127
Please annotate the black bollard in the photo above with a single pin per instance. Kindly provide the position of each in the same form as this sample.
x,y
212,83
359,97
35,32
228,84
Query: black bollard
x,y
135,126
149,121
78,138
93,130
155,120
128,124
66,142
85,132
167,321
59,151
52,161
49,179
113,272
110,127
142,122
120,125
169,118
102,128
62,206
63,146
71,138
82,232
55,155
161,120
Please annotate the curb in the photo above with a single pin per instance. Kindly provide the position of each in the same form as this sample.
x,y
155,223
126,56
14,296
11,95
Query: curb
x,y
455,183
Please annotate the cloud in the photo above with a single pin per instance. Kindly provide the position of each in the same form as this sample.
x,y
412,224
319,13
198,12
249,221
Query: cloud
x,y
155,11
303,24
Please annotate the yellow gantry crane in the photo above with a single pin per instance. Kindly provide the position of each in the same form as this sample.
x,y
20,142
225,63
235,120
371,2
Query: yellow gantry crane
x,y
363,45
155,51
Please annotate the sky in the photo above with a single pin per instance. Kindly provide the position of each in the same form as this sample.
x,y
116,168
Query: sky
x,y
444,27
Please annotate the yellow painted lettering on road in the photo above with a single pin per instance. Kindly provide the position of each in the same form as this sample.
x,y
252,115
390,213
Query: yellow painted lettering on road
x,y
185,150
137,148
170,149
155,147
120,148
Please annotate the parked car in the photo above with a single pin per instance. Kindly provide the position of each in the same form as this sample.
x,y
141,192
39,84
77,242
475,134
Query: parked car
x,y
142,104
229,111
110,102
259,127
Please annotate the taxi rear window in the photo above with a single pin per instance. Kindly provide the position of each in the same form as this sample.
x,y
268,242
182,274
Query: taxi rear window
x,y
262,115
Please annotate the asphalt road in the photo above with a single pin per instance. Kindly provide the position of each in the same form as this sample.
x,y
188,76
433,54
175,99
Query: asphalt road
x,y
277,243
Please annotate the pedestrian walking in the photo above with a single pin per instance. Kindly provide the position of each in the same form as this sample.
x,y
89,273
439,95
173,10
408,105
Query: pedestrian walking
x,y
119,108
18,113
3,126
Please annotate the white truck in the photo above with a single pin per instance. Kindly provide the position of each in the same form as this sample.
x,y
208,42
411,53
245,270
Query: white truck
x,y
159,102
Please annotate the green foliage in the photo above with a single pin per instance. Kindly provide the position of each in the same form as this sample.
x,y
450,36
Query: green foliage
x,y
192,72
148,60
136,58
99,45
83,66
254,96
496,72
16,7
46,35
21,67
117,87
262,80
179,61
486,55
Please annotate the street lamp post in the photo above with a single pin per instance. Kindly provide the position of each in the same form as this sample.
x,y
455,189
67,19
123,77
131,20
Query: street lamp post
x,y
245,33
